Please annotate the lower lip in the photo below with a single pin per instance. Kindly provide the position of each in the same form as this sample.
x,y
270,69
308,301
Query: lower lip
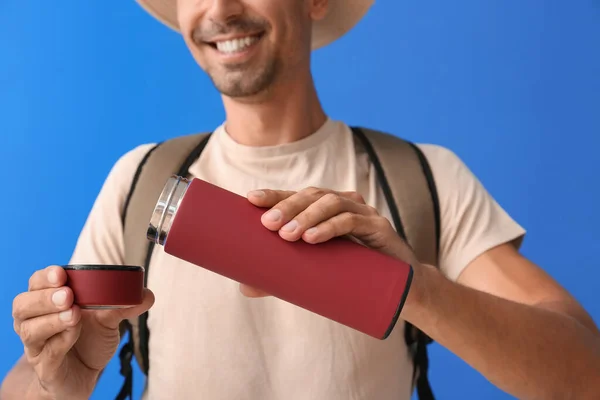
x,y
105,286
238,56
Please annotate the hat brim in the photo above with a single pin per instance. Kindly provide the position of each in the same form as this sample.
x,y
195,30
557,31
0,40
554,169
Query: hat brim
x,y
342,16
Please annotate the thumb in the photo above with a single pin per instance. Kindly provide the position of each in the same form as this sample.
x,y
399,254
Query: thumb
x,y
112,318
252,292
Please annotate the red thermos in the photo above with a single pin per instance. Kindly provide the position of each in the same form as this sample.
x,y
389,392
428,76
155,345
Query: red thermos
x,y
221,231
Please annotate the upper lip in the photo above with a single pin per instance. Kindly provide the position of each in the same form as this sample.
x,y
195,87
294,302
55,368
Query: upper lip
x,y
232,37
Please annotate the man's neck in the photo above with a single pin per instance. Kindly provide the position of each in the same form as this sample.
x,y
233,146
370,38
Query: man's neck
x,y
289,113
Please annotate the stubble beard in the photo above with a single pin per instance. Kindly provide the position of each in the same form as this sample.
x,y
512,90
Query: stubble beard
x,y
241,81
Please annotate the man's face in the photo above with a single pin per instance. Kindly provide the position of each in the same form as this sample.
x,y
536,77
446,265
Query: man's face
x,y
245,46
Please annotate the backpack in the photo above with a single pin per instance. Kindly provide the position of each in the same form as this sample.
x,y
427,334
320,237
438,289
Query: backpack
x,y
403,174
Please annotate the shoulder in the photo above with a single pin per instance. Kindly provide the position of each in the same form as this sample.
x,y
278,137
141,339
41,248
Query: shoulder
x,y
454,180
451,174
127,164
472,220
441,158
121,175
101,238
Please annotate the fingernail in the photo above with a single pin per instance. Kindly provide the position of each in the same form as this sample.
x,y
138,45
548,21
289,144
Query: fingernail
x,y
257,193
273,215
52,277
311,231
65,316
290,226
59,298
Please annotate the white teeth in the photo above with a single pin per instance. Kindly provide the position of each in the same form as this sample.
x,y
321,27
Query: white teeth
x,y
235,45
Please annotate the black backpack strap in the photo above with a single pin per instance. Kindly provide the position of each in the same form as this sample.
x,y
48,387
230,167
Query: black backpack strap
x,y
406,180
125,356
419,339
128,350
174,156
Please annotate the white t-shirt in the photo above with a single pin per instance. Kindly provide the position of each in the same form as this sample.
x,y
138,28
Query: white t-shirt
x,y
207,341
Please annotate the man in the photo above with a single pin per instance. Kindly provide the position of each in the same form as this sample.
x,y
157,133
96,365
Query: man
x,y
486,303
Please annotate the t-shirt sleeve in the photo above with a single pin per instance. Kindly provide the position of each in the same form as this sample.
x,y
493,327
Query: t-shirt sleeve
x,y
472,221
101,238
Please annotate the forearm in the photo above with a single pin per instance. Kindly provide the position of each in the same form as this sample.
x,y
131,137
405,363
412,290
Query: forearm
x,y
21,383
529,352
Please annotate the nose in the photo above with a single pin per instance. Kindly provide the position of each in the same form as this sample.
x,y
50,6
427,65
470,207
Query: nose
x,y
224,10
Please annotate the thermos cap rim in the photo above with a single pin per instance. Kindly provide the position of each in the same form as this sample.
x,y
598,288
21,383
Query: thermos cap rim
x,y
103,267
166,209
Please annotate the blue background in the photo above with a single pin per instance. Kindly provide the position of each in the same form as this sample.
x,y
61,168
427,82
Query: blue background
x,y
513,87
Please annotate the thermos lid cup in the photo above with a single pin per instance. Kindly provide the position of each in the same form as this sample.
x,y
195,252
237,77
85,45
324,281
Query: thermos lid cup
x,y
105,286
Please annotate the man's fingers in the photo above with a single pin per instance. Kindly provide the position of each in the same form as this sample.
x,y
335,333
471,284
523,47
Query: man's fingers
x,y
340,225
373,231
354,196
286,209
59,345
41,302
267,197
37,331
48,362
369,230
50,277
325,208
294,212
111,319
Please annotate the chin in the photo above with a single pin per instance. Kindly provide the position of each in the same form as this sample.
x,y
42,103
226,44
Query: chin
x,y
243,80
240,87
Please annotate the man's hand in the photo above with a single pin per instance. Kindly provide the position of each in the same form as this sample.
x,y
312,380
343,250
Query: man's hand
x,y
316,215
65,347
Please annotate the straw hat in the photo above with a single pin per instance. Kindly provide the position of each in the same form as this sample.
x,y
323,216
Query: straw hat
x,y
341,17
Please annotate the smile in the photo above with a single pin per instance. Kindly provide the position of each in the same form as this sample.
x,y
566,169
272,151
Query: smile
x,y
236,45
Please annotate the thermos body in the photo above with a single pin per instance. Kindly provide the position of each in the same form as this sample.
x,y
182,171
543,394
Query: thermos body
x,y
221,231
